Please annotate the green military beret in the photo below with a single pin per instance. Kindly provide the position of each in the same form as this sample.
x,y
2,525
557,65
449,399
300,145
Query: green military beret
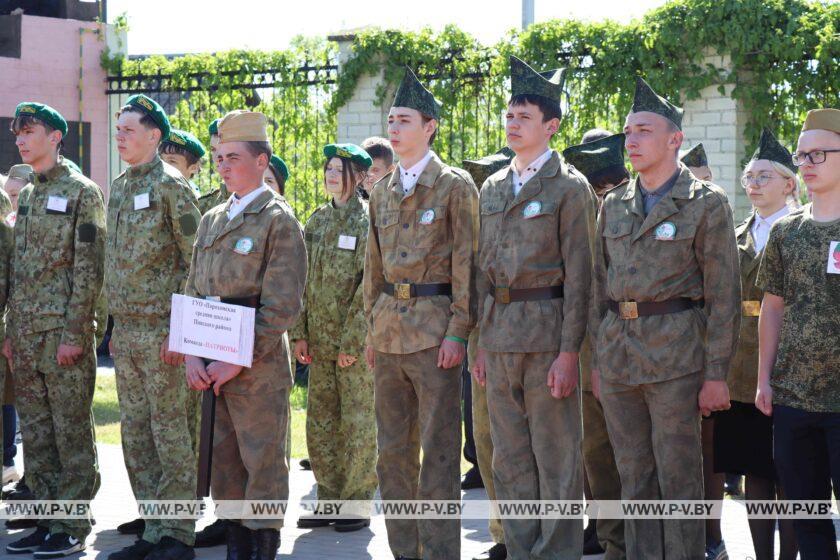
x,y
524,80
592,157
72,165
214,127
695,157
187,141
348,151
279,166
154,110
772,149
43,113
481,169
414,95
647,100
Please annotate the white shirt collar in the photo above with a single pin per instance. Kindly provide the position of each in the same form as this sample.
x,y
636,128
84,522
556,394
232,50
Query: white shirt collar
x,y
761,226
237,205
532,169
408,177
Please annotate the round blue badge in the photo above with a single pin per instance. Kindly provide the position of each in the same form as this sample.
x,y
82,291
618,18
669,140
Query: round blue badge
x,y
532,209
665,231
428,217
244,246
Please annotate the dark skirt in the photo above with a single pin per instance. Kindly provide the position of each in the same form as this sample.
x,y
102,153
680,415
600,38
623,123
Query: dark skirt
x,y
743,441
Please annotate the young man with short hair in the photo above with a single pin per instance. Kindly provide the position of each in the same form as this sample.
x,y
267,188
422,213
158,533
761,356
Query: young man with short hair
x,y
183,151
220,195
417,290
665,316
533,281
152,221
798,357
697,162
56,279
380,151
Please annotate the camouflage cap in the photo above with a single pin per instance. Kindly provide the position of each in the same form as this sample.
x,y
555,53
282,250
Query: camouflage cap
x,y
153,109
187,141
771,149
524,80
822,119
348,151
695,157
43,113
279,166
213,129
647,100
591,157
414,95
21,171
481,169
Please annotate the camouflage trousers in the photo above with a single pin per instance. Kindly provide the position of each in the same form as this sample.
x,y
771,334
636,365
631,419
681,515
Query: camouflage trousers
x,y
156,441
655,432
418,406
341,430
484,453
602,472
536,452
56,422
249,450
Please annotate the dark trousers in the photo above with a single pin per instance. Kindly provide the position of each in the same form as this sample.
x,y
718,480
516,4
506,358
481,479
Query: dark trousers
x,y
469,441
9,431
806,451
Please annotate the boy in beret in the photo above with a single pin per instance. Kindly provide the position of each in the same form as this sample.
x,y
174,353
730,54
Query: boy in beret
x,y
252,253
665,323
152,221
534,270
798,360
183,151
276,175
56,279
417,293
220,195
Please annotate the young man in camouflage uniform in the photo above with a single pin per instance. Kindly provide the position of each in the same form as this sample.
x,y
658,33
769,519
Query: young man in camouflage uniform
x,y
57,277
666,311
418,280
533,278
250,252
220,195
798,357
152,220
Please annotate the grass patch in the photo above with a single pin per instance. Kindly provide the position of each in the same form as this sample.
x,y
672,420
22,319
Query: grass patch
x,y
106,409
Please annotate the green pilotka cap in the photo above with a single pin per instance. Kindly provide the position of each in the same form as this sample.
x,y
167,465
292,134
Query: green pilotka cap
x,y
412,94
647,100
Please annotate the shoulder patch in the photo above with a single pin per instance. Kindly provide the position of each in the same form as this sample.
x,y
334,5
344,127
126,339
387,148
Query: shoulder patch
x,y
189,225
87,233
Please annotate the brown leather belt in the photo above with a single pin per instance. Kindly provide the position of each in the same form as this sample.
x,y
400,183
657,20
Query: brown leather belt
x,y
508,295
250,301
634,309
408,291
750,308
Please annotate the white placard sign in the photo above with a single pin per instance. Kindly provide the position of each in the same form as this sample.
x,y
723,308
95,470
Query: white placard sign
x,y
211,329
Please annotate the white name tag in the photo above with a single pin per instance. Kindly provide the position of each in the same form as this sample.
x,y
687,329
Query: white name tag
x,y
833,258
57,203
347,242
141,201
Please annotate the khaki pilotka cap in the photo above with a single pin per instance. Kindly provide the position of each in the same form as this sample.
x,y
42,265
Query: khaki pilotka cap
x,y
822,119
21,171
243,126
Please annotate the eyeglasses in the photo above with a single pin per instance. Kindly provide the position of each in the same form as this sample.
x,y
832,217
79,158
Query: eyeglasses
x,y
816,157
757,180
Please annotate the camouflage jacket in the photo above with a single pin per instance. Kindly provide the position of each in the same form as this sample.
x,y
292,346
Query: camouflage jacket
x,y
333,320
152,220
540,238
6,251
260,252
795,266
212,199
428,236
58,257
697,258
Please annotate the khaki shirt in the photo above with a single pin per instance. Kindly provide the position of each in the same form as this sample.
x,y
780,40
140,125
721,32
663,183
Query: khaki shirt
x,y
700,261
428,236
59,256
152,220
743,373
540,238
260,252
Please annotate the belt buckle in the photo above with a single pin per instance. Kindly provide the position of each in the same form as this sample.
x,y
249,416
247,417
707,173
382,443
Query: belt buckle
x,y
751,308
402,291
628,310
502,295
